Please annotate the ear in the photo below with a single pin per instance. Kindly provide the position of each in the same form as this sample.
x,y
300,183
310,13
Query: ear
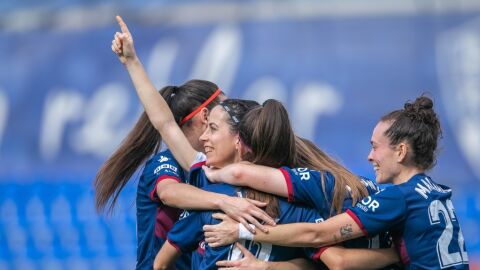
x,y
238,143
204,115
402,150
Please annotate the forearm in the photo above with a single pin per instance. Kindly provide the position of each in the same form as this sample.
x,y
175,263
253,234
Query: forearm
x,y
295,264
293,235
166,257
160,114
342,258
258,177
186,196
155,106
336,229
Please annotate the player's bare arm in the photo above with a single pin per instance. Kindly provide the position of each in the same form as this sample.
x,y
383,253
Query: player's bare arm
x,y
155,106
258,177
336,229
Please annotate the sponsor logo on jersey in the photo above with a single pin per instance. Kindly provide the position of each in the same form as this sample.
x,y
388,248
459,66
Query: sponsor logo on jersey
x,y
167,167
184,214
304,173
368,204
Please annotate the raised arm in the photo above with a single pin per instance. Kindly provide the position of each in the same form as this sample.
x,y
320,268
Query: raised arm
x,y
258,177
339,228
155,106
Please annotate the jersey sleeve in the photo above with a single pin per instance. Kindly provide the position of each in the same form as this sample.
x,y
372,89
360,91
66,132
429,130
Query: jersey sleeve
x,y
379,212
306,186
162,167
187,232
197,176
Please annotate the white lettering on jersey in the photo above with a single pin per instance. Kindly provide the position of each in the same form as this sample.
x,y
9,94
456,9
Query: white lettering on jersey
x,y
165,166
427,187
304,174
368,203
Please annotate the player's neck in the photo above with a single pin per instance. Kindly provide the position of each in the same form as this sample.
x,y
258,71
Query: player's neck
x,y
406,174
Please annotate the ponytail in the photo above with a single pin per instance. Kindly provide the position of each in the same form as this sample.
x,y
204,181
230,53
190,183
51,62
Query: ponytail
x,y
268,133
143,141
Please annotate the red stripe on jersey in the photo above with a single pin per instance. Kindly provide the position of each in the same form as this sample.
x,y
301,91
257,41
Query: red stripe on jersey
x,y
153,192
316,256
198,164
288,180
164,220
174,245
399,243
357,220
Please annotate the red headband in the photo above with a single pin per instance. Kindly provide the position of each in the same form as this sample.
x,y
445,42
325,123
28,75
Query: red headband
x,y
203,105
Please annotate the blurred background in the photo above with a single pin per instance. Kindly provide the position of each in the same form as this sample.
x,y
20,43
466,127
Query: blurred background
x,y
66,102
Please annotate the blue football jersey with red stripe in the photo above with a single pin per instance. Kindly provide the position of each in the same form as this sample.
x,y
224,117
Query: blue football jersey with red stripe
x,y
154,219
197,176
187,233
420,215
306,186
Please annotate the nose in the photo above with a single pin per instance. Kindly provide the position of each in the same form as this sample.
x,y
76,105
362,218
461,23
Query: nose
x,y
370,156
204,136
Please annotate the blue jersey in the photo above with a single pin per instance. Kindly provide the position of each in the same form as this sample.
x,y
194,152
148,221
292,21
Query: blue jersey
x,y
154,219
197,176
422,220
187,233
306,186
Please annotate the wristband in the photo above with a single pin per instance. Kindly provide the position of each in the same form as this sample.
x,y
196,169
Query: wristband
x,y
244,233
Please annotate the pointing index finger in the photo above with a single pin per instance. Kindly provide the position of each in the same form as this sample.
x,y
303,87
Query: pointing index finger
x,y
122,25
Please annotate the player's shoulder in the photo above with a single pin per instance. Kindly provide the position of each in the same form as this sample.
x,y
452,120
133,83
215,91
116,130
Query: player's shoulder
x,y
162,162
371,186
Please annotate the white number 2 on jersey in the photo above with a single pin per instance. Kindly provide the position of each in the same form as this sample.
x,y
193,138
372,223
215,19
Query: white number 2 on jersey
x,y
263,250
445,258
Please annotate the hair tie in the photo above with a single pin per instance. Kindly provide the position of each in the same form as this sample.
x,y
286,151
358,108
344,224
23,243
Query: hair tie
x,y
203,105
230,112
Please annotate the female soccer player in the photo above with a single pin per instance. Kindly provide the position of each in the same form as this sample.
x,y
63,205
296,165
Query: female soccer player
x,y
418,211
162,186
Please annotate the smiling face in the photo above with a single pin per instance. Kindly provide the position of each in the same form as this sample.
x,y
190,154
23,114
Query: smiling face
x,y
220,144
383,156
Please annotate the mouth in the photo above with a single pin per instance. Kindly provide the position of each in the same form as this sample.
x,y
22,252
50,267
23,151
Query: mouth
x,y
208,149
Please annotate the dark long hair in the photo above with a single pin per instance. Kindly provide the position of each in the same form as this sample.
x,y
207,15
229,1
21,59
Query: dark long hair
x,y
308,155
267,131
144,140
416,124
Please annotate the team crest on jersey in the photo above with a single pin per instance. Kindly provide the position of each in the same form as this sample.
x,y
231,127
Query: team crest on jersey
x,y
318,220
163,159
